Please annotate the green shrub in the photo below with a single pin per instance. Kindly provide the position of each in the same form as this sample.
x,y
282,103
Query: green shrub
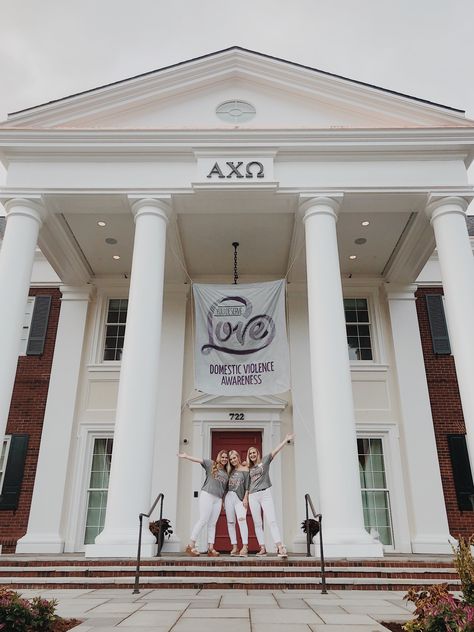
x,y
20,615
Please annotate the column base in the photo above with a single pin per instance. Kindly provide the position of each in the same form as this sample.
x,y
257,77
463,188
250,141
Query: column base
x,y
119,550
171,545
298,545
30,543
349,544
433,544
349,551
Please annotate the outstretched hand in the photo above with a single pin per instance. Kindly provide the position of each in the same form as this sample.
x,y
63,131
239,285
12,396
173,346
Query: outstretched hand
x,y
182,455
289,437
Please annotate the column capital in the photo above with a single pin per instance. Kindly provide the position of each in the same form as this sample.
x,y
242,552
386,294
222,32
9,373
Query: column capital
x,y
400,292
160,206
76,293
29,207
441,204
329,204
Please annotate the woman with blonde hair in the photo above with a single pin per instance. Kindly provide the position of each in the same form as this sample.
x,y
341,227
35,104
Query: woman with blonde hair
x,y
236,503
210,499
260,496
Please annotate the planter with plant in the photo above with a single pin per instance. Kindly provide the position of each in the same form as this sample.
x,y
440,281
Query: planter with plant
x,y
166,530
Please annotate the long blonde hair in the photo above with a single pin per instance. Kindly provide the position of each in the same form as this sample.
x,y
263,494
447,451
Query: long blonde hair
x,y
217,463
259,457
238,456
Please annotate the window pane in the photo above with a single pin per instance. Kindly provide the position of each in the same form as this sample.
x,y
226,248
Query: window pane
x,y
351,317
115,328
98,488
358,329
375,496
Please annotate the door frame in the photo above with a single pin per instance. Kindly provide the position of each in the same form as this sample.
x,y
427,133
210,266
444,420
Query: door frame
x,y
211,412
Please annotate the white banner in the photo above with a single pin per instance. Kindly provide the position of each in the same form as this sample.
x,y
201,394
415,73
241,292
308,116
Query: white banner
x,y
241,346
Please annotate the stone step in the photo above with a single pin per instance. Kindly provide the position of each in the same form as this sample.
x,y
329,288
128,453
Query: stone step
x,y
231,569
274,583
20,571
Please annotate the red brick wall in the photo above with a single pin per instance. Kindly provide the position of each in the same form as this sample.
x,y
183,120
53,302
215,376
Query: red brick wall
x,y
447,414
26,416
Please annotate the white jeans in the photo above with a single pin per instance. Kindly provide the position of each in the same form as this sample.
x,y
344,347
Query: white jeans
x,y
264,500
235,507
209,510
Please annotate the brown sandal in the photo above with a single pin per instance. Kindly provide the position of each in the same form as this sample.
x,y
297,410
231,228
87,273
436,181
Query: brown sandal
x,y
212,553
192,551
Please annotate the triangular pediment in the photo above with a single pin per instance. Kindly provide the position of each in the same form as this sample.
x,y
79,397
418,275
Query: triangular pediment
x,y
235,402
285,96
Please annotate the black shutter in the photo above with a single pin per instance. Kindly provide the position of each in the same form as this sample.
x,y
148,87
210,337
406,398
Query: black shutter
x,y
14,472
39,325
461,472
438,326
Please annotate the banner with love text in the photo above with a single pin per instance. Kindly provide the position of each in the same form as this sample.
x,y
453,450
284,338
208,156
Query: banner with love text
x,y
241,347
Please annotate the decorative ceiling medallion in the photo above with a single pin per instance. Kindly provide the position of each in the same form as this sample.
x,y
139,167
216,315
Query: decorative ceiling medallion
x,y
235,112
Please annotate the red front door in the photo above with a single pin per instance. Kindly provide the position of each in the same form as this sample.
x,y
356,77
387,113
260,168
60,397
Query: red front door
x,y
240,441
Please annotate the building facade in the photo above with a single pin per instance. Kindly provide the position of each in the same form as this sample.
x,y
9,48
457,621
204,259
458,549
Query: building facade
x,y
134,191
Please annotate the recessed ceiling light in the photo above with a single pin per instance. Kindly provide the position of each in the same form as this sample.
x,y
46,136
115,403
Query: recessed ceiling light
x,y
359,241
111,241
101,223
116,257
365,223
352,256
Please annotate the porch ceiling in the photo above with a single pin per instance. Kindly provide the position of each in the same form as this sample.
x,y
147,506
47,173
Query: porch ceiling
x,y
200,237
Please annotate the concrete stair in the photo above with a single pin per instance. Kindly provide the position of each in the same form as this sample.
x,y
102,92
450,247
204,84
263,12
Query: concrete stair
x,y
177,571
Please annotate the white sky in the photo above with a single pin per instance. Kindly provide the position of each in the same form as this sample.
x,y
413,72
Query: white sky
x,y
52,48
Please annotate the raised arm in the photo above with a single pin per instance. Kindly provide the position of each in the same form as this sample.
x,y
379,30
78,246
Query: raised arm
x,y
281,445
194,459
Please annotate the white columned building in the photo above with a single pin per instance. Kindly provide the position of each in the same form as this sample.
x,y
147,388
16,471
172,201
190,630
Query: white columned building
x,y
130,482
137,190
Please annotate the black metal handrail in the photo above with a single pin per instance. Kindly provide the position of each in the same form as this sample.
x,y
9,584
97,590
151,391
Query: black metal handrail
x,y
159,498
319,519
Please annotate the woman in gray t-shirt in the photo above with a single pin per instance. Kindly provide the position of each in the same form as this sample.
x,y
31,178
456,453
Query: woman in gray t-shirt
x,y
260,495
236,503
210,499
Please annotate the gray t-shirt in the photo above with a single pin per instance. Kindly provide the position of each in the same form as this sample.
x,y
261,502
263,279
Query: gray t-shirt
x,y
260,475
239,482
216,486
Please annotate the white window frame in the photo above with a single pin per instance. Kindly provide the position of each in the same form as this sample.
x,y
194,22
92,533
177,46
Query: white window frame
x,y
389,434
25,331
5,443
372,296
104,294
77,511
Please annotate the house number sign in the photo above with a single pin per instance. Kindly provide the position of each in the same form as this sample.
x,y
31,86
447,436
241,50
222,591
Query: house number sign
x,y
237,416
237,169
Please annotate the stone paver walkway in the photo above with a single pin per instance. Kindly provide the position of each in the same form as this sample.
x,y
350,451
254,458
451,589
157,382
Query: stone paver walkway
x,y
169,610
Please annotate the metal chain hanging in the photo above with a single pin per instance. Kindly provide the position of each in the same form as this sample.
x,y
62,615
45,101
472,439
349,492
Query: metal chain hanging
x,y
235,244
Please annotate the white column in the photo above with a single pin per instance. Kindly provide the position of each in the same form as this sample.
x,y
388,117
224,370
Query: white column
x,y
132,459
24,219
427,510
168,422
335,431
448,218
302,405
45,529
